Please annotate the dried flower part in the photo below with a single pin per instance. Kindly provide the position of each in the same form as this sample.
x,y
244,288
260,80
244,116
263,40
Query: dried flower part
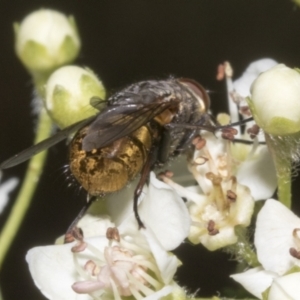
x,y
46,39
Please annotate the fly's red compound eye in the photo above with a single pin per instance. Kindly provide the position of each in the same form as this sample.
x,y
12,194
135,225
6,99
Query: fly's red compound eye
x,y
198,90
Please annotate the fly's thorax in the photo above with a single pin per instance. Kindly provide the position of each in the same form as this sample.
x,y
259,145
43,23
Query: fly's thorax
x,y
109,169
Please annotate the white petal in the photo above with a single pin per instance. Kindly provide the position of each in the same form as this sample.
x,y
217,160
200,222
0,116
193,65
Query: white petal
x,y
242,85
5,189
255,280
241,211
273,237
259,175
225,237
164,211
93,226
161,208
120,205
286,287
53,271
166,262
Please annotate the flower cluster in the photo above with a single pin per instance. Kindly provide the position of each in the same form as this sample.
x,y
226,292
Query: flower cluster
x,y
231,169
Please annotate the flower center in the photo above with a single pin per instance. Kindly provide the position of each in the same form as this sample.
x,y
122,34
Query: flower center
x,y
121,270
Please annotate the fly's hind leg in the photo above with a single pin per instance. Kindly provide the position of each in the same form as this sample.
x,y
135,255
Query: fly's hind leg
x,y
148,166
74,232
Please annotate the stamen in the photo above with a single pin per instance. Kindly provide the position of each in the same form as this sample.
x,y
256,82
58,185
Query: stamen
x,y
231,196
296,237
229,133
220,72
79,247
211,228
245,110
135,293
253,131
182,191
79,269
115,290
112,233
199,142
92,268
142,287
295,253
200,160
217,192
150,279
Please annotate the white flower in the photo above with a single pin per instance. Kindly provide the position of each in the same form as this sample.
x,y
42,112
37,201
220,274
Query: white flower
x,y
46,39
161,210
68,93
277,241
218,204
242,84
5,188
103,269
230,177
275,100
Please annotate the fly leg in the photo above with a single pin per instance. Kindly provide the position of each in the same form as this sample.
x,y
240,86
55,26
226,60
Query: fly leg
x,y
74,232
143,179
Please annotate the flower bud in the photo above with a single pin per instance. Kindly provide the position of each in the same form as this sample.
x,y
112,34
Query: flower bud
x,y
275,101
68,93
45,40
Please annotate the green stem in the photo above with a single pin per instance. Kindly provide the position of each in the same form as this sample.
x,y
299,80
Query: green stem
x,y
243,250
281,149
29,185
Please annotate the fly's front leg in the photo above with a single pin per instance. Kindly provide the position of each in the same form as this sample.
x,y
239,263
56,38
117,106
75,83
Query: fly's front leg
x,y
73,232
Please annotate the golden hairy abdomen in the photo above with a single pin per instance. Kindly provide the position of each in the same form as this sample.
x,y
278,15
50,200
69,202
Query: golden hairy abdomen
x,y
109,169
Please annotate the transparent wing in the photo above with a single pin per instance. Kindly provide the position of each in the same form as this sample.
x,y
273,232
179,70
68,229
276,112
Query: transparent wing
x,y
33,150
115,122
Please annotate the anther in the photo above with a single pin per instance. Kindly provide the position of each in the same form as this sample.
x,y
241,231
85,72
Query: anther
x,y
200,160
253,131
229,133
231,196
245,110
211,228
112,233
79,247
295,253
199,142
220,72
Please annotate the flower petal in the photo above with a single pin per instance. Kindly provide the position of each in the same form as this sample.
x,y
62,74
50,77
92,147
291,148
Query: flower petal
x,y
167,263
274,237
5,189
53,270
255,280
264,182
286,287
164,211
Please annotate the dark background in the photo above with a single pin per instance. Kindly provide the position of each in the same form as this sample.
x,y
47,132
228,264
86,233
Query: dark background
x,y
123,42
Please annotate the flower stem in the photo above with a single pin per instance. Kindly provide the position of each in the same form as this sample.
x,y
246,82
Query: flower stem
x,y
282,149
243,250
29,185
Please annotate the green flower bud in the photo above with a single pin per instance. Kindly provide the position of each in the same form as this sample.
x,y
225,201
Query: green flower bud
x,y
68,93
275,101
45,40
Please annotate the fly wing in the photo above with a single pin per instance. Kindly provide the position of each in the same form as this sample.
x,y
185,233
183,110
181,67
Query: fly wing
x,y
115,122
47,143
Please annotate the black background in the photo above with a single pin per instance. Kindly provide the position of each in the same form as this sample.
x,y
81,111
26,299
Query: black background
x,y
123,42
